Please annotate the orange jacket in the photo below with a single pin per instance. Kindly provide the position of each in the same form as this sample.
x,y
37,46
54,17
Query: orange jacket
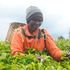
x,y
20,42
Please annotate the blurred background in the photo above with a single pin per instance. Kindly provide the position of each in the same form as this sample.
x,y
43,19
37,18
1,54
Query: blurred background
x,y
56,15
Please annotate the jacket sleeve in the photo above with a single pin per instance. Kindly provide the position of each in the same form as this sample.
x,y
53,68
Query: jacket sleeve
x,y
16,43
54,51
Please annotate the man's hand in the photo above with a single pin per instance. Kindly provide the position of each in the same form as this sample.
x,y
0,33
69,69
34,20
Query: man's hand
x,y
65,55
41,58
68,54
19,54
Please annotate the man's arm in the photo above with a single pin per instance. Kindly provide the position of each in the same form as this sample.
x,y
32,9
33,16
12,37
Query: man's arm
x,y
17,43
54,51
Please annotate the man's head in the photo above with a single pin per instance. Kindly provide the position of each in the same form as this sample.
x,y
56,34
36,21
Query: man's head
x,y
34,18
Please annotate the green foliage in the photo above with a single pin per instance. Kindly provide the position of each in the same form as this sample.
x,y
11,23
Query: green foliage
x,y
30,62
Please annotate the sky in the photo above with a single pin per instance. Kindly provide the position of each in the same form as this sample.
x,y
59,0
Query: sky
x,y
56,15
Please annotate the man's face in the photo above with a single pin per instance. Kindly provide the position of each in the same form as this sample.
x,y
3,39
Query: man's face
x,y
34,25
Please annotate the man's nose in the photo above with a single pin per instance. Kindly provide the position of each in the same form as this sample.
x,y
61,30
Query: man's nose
x,y
38,23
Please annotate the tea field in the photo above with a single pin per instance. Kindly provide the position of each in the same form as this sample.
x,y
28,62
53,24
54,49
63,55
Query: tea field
x,y
30,61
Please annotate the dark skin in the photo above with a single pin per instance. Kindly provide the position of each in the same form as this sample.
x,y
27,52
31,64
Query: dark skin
x,y
34,25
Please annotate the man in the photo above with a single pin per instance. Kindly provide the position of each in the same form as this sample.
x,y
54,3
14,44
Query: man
x,y
31,36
